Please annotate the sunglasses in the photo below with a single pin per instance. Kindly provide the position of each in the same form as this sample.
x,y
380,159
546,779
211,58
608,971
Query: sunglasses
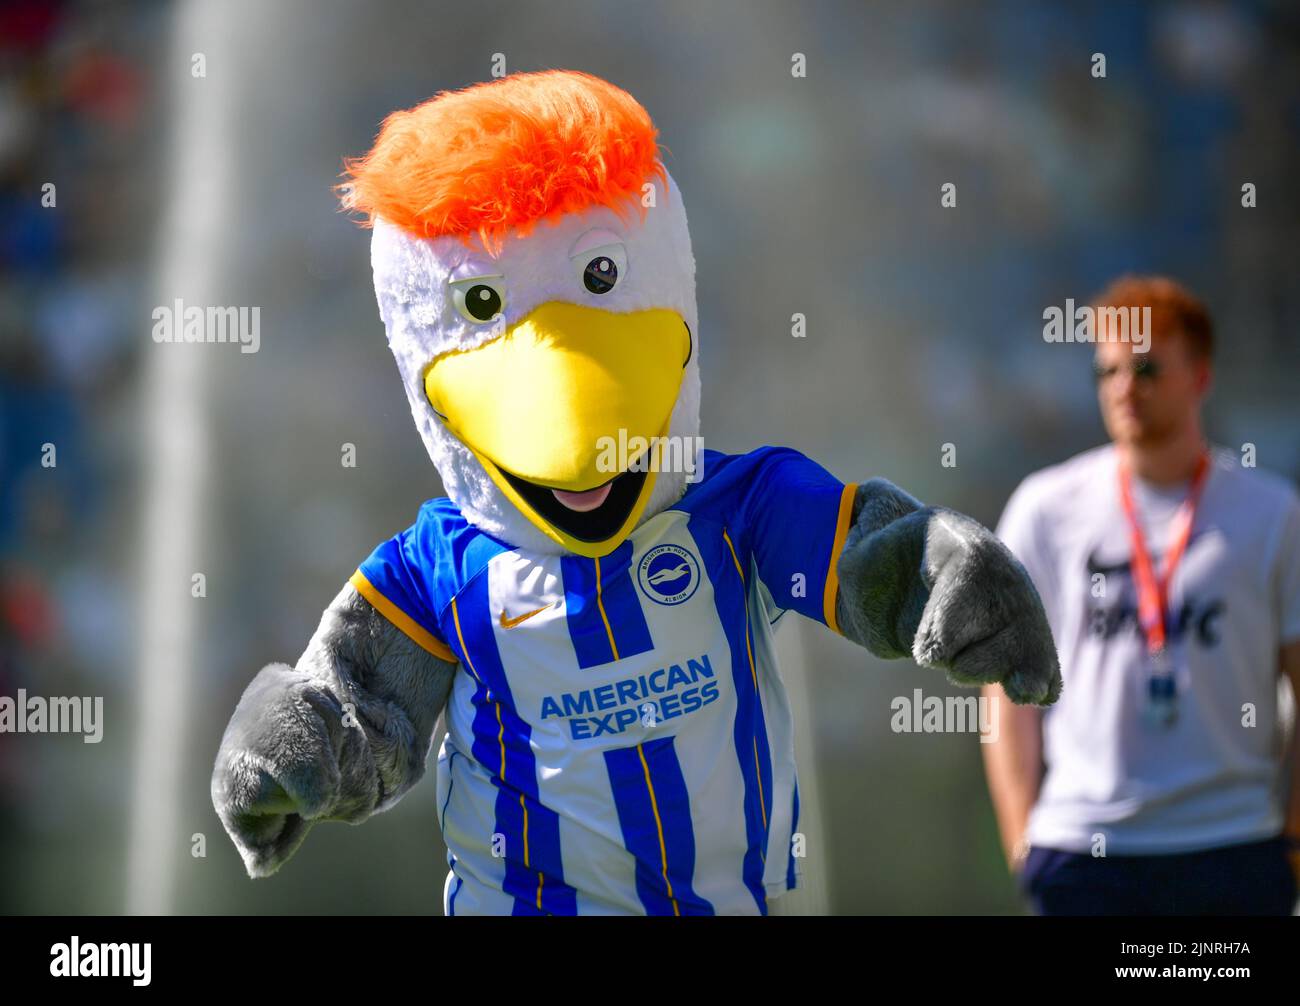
x,y
1142,368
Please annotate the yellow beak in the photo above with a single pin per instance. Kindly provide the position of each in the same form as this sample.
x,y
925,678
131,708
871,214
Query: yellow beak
x,y
544,401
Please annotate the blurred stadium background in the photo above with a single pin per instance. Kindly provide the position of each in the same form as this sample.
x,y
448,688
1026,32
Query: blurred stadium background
x,y
816,195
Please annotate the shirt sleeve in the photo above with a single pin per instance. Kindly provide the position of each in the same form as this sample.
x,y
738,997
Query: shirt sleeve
x,y
394,578
798,518
1020,529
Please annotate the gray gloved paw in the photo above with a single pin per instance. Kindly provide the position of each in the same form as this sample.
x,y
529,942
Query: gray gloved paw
x,y
276,770
983,621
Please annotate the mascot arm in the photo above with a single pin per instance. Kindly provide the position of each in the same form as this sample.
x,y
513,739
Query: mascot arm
x,y
339,737
936,585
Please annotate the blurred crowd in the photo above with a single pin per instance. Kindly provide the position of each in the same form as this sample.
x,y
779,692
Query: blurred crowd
x,y
75,171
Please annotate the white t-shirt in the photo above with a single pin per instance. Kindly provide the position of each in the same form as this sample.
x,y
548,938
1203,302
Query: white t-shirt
x,y
1207,780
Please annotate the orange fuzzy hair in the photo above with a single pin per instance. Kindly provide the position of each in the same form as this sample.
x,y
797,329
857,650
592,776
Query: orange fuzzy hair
x,y
505,154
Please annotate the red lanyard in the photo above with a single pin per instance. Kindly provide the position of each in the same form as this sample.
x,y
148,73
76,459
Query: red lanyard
x,y
1153,591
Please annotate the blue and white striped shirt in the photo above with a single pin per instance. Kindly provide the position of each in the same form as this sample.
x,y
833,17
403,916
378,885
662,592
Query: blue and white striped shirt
x,y
619,740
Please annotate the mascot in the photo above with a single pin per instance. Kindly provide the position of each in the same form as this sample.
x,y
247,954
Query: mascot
x,y
592,603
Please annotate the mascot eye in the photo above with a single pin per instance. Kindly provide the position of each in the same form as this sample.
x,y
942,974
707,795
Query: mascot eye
x,y
480,298
601,267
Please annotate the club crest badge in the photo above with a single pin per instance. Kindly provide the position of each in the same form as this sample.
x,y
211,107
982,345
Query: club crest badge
x,y
668,574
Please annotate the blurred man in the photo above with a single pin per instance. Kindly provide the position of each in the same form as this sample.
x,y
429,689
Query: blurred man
x,y
1171,576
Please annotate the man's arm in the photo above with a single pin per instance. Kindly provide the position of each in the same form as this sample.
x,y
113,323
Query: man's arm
x,y
1014,766
1290,667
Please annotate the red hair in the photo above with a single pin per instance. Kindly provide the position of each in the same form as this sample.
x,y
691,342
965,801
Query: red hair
x,y
1173,308
505,154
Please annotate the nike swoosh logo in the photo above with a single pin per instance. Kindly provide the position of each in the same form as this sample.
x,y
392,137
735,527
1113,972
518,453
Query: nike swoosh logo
x,y
1095,565
510,623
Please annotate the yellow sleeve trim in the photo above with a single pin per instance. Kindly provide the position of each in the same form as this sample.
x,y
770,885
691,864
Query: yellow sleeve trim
x,y
419,635
832,574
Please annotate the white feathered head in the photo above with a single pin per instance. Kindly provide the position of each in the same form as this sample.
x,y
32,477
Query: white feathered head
x,y
534,274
